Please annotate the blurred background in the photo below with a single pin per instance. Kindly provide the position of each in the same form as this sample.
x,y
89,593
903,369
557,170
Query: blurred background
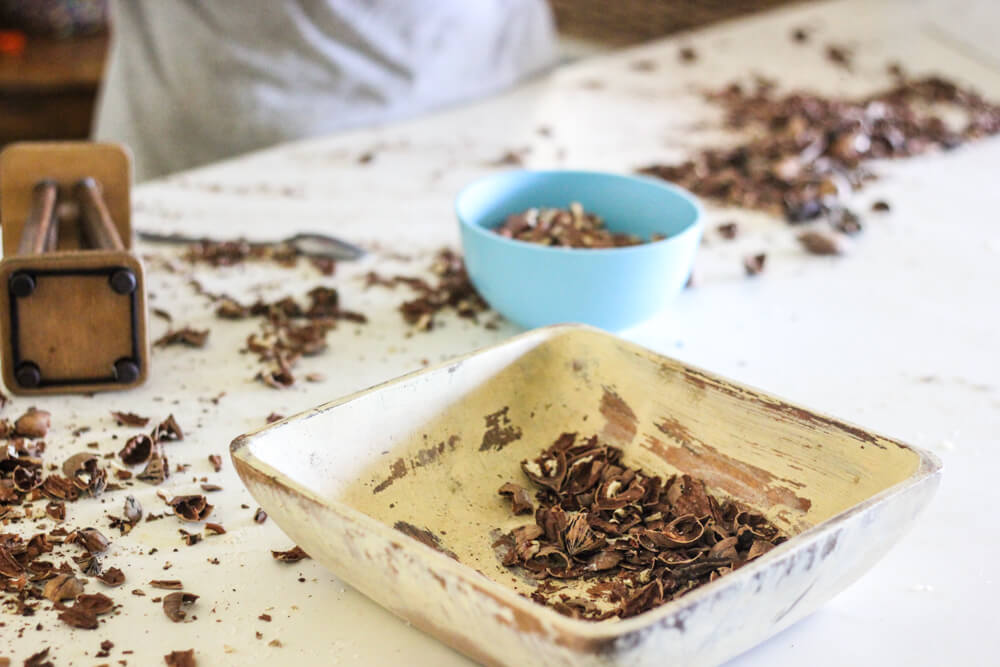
x,y
53,52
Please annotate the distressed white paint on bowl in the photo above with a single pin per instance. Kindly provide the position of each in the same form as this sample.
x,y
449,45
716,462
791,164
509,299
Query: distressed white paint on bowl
x,y
423,449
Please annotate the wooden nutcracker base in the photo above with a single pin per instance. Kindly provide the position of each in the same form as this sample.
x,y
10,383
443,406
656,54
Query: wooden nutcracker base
x,y
73,307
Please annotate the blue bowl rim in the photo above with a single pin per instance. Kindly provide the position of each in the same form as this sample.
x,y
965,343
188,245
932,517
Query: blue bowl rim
x,y
693,227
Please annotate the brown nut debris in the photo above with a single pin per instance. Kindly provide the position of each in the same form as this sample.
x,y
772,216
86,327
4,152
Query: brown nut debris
x,y
10,567
823,243
173,603
56,510
162,314
452,291
187,336
728,230
190,539
112,577
91,539
180,658
803,154
293,555
157,470
98,603
570,228
191,507
519,498
232,252
754,264
79,617
137,450
129,419
33,424
289,331
167,584
85,472
78,463
38,659
840,55
105,651
637,539
132,510
216,462
60,488
62,587
167,430
8,494
509,158
24,478
90,564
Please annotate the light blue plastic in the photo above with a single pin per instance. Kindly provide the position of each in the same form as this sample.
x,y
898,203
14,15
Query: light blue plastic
x,y
613,288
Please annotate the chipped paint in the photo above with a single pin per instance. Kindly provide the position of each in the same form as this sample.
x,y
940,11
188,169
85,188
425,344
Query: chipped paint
x,y
785,411
740,479
622,424
499,432
424,536
422,457
396,470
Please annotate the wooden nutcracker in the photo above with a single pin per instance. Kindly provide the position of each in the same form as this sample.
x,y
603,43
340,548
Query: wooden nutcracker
x,y
73,314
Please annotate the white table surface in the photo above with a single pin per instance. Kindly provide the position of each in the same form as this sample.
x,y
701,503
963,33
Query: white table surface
x,y
900,336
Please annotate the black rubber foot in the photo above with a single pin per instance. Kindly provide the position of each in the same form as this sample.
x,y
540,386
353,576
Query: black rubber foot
x,y
123,281
28,374
22,285
126,371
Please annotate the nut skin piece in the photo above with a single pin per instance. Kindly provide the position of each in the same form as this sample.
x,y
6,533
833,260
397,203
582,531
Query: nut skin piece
x,y
191,507
33,424
62,587
754,264
180,658
823,243
173,602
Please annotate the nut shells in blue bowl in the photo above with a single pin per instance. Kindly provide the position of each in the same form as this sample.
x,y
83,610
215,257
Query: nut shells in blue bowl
x,y
535,285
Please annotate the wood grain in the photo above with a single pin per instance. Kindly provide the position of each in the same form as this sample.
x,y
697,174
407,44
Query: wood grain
x,y
24,164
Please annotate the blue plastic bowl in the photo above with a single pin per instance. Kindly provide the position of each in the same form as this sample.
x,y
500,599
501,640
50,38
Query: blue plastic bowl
x,y
611,288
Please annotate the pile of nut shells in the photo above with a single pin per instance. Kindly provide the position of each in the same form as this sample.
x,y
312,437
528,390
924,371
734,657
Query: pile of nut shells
x,y
568,228
451,291
27,576
288,330
636,540
803,153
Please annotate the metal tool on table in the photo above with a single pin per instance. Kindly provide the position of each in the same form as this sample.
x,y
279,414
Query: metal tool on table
x,y
305,244
73,314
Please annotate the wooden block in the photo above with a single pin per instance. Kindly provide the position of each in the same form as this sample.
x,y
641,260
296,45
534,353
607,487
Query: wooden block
x,y
24,164
73,326
72,304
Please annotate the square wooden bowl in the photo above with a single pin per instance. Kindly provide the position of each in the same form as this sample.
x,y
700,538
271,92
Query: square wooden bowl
x,y
428,451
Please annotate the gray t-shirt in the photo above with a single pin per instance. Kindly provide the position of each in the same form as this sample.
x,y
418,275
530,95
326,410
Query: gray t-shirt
x,y
194,81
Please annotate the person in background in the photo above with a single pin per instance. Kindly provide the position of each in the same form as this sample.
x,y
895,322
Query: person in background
x,y
194,81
